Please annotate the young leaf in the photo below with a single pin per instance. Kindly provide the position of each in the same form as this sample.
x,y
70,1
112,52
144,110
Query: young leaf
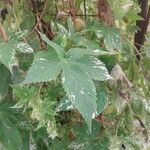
x,y
56,47
71,27
45,67
62,29
24,94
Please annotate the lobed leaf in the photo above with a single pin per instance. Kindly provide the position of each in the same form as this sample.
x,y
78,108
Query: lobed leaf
x,y
81,92
77,78
45,67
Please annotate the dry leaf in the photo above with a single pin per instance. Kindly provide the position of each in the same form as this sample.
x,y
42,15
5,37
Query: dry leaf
x,y
123,87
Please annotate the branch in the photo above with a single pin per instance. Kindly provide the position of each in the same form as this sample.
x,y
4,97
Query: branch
x,y
3,33
142,25
85,11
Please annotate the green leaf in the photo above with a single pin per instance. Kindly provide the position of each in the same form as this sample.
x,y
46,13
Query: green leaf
x,y
80,52
102,96
77,78
120,8
80,91
109,60
78,4
61,39
7,53
62,29
45,67
7,133
24,47
25,94
57,143
93,68
25,135
147,51
71,27
5,79
110,35
90,141
64,105
19,35
102,99
10,135
112,39
80,41
56,47
77,81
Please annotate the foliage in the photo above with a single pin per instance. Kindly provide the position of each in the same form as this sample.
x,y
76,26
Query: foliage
x,y
71,83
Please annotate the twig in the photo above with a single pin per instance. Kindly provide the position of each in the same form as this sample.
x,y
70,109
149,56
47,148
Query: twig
x,y
38,21
72,10
80,15
137,52
142,26
85,9
3,33
16,18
